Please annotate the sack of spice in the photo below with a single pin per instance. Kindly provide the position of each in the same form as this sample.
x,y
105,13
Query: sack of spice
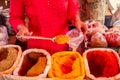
x,y
94,27
98,40
113,37
10,56
102,64
34,63
67,65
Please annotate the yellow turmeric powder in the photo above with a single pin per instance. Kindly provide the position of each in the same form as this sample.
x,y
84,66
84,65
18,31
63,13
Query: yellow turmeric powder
x,y
67,65
61,39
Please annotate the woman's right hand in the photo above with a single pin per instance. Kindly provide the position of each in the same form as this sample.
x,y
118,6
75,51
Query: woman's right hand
x,y
22,31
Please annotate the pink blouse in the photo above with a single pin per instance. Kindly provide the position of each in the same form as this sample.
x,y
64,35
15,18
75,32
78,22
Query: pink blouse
x,y
47,18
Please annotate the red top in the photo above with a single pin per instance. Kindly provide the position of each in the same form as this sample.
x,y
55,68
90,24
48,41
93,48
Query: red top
x,y
47,18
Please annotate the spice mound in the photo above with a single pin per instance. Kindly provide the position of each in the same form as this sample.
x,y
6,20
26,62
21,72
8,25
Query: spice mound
x,y
67,65
8,56
102,63
33,63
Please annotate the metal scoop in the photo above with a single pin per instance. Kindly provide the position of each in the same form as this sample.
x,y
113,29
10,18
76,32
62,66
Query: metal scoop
x,y
58,39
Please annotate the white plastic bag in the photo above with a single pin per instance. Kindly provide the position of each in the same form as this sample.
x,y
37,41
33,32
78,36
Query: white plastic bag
x,y
76,38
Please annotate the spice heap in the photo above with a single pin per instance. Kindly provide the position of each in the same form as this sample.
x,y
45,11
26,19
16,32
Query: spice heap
x,y
67,65
102,63
7,58
33,64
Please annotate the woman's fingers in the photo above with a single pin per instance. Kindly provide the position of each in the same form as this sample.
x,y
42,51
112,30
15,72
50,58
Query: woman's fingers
x,y
20,37
23,31
85,28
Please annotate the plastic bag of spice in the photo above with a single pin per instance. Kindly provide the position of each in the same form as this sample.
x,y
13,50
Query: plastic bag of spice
x,y
102,64
98,40
94,27
113,37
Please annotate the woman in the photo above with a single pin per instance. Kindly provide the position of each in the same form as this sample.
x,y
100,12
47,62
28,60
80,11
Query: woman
x,y
47,18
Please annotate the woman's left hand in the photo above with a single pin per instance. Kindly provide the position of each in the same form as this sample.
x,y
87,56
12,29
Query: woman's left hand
x,y
81,26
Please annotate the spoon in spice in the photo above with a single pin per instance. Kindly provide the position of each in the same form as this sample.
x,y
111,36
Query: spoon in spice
x,y
59,39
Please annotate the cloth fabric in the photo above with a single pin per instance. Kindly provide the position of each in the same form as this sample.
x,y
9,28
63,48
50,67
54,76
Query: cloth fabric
x,y
46,18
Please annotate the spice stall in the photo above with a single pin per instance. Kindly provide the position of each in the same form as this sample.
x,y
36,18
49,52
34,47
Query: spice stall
x,y
94,56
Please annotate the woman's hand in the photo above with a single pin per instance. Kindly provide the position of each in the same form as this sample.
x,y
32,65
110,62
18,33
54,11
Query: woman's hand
x,y
22,31
81,26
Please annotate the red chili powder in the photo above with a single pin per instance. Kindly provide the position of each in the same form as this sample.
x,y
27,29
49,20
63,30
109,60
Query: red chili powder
x,y
102,63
